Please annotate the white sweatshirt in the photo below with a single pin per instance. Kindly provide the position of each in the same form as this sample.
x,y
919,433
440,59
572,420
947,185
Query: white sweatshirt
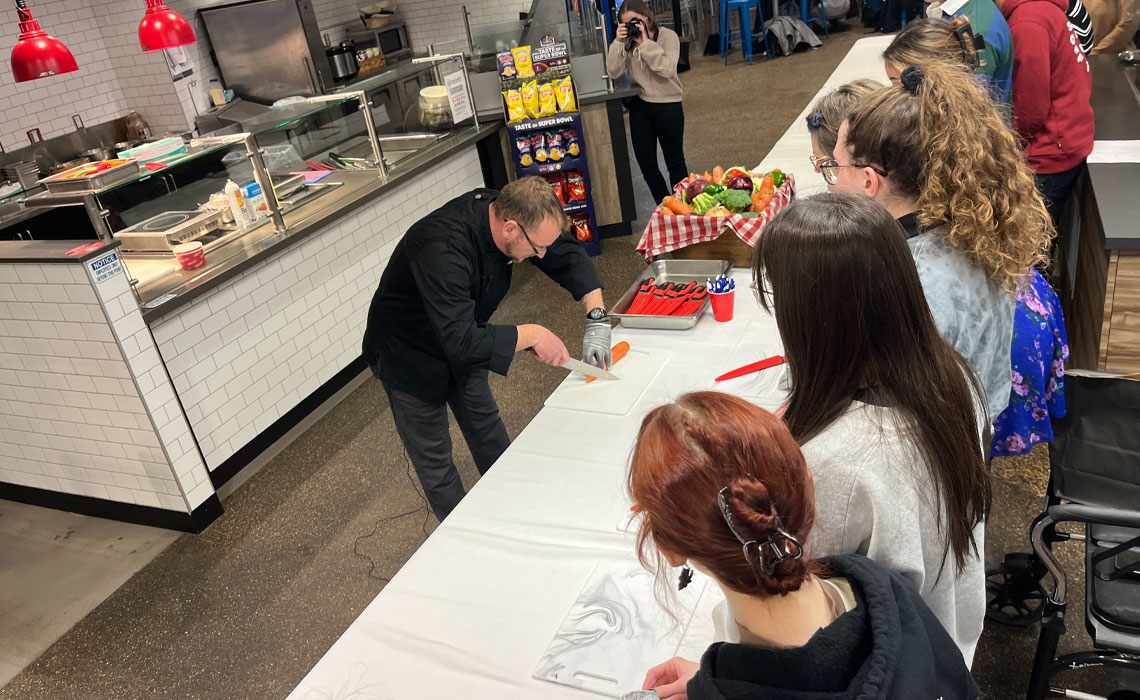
x,y
873,496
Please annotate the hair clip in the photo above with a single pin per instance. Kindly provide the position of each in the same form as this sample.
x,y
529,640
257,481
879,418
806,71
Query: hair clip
x,y
968,40
816,120
911,79
778,547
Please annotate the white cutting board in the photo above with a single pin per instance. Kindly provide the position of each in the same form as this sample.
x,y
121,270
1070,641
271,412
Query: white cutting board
x,y
617,397
616,630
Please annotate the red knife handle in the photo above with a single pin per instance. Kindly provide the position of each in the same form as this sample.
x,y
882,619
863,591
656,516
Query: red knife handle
x,y
753,367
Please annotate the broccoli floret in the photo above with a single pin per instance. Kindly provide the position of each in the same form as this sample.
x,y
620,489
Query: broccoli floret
x,y
735,201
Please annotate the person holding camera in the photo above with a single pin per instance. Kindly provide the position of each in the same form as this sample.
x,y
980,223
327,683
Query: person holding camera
x,y
650,54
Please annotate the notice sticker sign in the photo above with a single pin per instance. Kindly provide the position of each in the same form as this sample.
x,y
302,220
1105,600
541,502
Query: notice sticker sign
x,y
458,96
106,267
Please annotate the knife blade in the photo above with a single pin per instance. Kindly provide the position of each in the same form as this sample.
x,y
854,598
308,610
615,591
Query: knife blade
x,y
753,367
589,370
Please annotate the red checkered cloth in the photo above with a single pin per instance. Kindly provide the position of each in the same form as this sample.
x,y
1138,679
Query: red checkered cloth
x,y
667,233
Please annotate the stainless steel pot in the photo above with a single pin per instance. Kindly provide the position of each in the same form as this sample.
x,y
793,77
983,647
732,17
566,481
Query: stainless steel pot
x,y
342,60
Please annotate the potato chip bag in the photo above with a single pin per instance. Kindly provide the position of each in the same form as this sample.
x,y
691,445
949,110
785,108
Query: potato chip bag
x,y
571,138
515,110
566,101
523,144
524,68
547,102
529,92
538,145
506,65
554,145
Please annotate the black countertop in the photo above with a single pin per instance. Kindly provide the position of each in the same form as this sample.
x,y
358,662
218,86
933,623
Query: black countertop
x,y
51,251
1116,186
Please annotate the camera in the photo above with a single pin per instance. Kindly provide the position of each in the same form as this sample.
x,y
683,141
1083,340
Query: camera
x,y
634,28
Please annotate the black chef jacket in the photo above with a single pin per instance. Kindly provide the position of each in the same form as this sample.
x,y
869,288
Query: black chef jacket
x,y
428,322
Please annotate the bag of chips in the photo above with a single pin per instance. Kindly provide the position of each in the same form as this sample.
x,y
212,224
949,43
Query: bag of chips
x,y
575,187
523,66
554,145
538,145
557,184
506,65
522,143
582,229
547,101
566,101
570,136
529,92
515,110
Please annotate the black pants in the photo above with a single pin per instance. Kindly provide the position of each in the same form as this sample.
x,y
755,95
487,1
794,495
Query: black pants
x,y
651,123
1055,188
423,427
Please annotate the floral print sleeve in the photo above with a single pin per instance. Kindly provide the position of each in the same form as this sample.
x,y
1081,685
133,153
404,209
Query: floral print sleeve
x,y
1038,354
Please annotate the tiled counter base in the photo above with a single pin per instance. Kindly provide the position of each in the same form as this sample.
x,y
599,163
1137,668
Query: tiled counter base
x,y
89,420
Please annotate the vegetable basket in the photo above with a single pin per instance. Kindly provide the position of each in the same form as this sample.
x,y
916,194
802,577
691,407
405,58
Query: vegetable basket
x,y
693,236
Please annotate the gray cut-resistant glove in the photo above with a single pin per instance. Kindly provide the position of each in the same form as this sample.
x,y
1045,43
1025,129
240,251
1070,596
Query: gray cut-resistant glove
x,y
596,345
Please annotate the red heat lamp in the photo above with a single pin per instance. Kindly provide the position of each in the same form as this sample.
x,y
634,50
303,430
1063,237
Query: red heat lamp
x,y
37,54
163,28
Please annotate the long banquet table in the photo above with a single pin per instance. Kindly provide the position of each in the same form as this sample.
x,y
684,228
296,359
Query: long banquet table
x,y
473,610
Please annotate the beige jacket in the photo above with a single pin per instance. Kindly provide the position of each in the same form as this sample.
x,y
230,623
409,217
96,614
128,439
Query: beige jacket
x,y
1113,25
652,65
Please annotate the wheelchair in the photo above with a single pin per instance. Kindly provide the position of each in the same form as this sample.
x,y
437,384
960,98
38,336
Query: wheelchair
x,y
1094,481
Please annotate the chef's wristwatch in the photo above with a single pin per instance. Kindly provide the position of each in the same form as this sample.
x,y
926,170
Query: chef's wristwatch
x,y
597,314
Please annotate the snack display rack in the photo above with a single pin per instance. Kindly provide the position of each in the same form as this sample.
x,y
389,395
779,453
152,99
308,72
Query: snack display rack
x,y
564,165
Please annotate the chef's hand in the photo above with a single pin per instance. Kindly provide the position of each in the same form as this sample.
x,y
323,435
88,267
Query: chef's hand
x,y
543,344
670,678
596,345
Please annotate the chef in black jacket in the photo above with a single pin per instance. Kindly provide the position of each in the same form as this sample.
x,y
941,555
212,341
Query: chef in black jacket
x,y
428,338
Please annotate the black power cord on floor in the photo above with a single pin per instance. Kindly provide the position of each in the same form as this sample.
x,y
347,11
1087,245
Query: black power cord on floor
x,y
425,507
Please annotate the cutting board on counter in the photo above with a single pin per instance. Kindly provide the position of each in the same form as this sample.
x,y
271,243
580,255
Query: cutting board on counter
x,y
615,397
616,631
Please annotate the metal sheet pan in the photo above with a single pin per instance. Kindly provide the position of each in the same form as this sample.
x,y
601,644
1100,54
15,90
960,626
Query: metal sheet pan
x,y
669,271
61,184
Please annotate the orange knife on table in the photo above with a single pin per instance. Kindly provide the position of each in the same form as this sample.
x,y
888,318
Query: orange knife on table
x,y
753,367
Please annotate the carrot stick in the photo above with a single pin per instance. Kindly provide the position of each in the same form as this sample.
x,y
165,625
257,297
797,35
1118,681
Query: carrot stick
x,y
619,352
676,206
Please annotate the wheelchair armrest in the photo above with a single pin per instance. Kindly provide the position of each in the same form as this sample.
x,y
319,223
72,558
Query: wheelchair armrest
x,y
1081,513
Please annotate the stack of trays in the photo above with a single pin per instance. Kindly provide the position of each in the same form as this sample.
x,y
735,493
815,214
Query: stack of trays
x,y
23,172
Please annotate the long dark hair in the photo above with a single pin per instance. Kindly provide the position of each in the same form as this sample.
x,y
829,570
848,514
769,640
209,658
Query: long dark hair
x,y
851,312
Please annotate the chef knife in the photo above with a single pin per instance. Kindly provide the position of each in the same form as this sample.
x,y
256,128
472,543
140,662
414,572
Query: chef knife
x,y
589,370
753,367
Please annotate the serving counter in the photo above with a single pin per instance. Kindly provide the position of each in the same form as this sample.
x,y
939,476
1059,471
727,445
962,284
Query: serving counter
x,y
1099,247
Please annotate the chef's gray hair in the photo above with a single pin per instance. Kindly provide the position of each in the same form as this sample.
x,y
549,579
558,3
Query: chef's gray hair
x,y
529,200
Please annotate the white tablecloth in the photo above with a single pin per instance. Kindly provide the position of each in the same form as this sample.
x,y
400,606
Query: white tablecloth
x,y
473,610
790,154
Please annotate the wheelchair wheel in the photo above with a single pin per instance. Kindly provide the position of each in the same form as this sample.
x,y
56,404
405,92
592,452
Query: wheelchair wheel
x,y
1014,594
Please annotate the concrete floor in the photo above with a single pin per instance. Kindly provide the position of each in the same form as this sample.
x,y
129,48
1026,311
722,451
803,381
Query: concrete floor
x,y
57,567
247,607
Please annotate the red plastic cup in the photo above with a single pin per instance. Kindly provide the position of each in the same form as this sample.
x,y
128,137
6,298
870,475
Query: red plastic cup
x,y
190,256
723,305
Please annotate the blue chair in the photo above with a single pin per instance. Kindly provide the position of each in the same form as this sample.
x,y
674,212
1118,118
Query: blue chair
x,y
745,9
808,17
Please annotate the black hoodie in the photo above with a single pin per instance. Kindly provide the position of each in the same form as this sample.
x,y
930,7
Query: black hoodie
x,y
889,646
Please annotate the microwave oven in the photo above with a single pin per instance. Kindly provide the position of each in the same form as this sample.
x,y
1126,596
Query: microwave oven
x,y
391,39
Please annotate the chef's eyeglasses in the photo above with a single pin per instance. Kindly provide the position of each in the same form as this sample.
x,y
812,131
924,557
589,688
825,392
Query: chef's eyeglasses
x,y
830,169
538,249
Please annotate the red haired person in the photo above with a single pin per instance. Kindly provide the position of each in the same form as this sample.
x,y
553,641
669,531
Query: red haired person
x,y
721,486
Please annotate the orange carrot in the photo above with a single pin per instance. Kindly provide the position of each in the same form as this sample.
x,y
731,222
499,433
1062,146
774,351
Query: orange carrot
x,y
619,352
717,174
676,206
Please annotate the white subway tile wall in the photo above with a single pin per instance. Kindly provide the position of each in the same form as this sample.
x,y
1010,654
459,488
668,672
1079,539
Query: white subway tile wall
x,y
243,355
114,75
71,419
137,346
436,21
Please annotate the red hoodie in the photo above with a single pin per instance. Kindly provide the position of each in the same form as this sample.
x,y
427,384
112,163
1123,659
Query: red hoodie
x,y
1051,85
